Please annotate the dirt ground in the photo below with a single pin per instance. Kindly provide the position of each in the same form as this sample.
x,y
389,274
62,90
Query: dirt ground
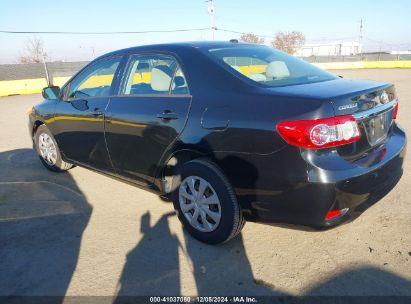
x,y
81,233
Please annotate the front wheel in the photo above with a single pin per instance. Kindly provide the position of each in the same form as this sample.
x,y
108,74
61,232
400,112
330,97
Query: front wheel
x,y
206,203
48,150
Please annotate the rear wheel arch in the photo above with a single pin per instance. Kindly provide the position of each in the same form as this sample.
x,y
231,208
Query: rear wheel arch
x,y
176,160
181,156
172,165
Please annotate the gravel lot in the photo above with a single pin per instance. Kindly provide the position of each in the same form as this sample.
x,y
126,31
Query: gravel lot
x,y
81,233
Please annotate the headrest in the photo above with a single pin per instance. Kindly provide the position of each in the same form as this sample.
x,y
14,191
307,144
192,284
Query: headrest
x,y
277,69
143,67
257,77
161,77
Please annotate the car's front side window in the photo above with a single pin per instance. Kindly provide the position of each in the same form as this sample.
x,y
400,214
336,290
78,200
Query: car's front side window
x,y
95,80
153,75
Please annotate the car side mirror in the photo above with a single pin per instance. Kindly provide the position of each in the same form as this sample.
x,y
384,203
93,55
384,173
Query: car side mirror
x,y
52,92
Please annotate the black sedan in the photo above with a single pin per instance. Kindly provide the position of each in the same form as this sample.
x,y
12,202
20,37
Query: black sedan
x,y
229,132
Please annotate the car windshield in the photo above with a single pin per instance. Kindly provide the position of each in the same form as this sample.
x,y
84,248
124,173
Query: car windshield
x,y
269,66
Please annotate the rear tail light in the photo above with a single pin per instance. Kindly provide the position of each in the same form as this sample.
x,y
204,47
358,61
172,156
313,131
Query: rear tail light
x,y
320,133
394,115
335,213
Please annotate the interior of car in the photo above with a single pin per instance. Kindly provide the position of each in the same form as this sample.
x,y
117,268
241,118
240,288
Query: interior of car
x,y
155,77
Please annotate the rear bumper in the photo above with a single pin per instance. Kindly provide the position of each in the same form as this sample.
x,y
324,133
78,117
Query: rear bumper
x,y
360,192
325,181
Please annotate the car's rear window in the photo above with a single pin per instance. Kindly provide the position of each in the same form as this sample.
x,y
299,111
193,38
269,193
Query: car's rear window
x,y
269,66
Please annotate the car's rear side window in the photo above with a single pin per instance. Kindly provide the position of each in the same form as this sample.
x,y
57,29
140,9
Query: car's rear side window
x,y
179,85
270,67
153,75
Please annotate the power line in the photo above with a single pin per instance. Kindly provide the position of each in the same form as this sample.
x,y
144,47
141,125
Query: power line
x,y
129,32
103,33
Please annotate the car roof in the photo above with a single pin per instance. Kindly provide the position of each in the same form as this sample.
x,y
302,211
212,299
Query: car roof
x,y
179,45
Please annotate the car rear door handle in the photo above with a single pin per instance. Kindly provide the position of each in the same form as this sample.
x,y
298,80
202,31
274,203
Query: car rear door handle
x,y
168,115
97,113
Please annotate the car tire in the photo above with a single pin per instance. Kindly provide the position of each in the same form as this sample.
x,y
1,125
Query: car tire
x,y
48,150
200,185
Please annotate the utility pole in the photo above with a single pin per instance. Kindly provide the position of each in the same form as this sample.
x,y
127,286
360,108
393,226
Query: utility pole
x,y
210,9
361,36
43,57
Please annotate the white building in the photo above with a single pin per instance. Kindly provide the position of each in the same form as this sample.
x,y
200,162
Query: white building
x,y
400,52
338,48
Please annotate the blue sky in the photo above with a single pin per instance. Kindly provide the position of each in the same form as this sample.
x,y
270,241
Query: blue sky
x,y
319,20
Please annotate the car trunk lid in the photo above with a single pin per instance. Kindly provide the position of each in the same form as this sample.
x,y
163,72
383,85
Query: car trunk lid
x,y
371,103
373,110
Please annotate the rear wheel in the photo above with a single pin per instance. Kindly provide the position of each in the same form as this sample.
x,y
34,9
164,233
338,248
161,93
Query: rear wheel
x,y
48,150
206,203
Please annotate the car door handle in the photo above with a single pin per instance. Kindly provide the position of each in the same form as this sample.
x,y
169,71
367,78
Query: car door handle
x,y
168,115
97,113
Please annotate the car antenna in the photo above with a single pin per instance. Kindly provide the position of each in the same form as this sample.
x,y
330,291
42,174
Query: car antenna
x,y
233,40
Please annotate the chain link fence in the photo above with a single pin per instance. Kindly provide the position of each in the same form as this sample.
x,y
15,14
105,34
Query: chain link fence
x,y
66,69
356,58
36,70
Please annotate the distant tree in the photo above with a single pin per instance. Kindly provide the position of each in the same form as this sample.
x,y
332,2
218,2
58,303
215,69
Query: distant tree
x,y
33,52
251,38
288,42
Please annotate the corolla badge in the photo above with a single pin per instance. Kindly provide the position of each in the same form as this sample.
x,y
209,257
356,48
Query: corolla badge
x,y
384,98
348,106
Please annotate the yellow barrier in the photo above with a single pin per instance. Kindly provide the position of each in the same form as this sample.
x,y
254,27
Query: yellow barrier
x,y
144,77
365,65
400,64
59,81
26,86
34,86
253,69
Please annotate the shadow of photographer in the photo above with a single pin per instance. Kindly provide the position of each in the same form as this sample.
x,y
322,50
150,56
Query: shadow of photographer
x,y
42,218
152,266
